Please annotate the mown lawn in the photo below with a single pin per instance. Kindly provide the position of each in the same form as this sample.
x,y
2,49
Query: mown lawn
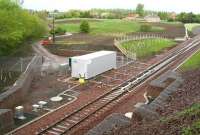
x,y
192,63
106,27
147,47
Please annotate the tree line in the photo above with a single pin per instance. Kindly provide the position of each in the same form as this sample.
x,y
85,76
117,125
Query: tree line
x,y
95,13
122,13
17,25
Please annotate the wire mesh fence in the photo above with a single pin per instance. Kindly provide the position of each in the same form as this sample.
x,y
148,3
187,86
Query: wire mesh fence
x,y
10,69
132,53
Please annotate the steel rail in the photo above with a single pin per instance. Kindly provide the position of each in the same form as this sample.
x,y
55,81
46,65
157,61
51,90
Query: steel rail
x,y
123,88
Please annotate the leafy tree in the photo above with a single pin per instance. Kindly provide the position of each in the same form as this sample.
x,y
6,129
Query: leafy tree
x,y
16,26
163,15
85,27
140,9
188,18
58,31
85,14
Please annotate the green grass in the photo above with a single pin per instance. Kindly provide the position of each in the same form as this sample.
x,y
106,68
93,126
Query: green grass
x,y
108,27
190,26
192,63
147,47
192,111
188,114
192,130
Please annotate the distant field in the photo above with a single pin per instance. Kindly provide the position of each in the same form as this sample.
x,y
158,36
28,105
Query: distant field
x,y
192,63
147,47
190,26
108,27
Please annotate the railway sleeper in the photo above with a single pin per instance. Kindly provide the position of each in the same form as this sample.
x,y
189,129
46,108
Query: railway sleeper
x,y
71,121
85,113
75,118
112,96
97,105
108,98
53,132
58,130
61,126
66,124
118,92
88,110
103,102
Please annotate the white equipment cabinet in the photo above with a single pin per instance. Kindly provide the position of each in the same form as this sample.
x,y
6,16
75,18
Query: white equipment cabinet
x,y
92,64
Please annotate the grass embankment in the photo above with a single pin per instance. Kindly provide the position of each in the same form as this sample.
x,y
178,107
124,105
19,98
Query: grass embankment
x,y
190,26
188,118
192,63
147,47
108,27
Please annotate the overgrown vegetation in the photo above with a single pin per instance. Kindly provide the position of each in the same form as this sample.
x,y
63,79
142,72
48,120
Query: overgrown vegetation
x,y
189,114
192,130
16,26
140,9
192,63
193,111
147,47
188,17
58,31
95,13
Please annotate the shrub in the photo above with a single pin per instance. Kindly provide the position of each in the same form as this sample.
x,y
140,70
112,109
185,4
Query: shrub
x,y
145,28
170,20
58,31
85,27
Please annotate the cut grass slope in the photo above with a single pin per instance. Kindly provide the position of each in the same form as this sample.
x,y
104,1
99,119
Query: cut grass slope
x,y
192,63
190,26
106,27
147,47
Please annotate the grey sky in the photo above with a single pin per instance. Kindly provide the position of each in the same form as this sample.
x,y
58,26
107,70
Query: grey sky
x,y
158,5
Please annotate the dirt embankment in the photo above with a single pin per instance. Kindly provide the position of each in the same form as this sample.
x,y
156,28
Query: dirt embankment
x,y
180,112
86,42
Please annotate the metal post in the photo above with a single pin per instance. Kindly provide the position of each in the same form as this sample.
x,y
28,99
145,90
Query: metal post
x,y
53,28
1,74
21,64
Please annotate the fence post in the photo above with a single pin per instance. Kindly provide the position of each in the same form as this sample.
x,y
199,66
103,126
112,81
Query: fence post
x,y
1,74
21,64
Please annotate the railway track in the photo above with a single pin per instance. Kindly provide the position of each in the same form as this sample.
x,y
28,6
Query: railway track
x,y
69,122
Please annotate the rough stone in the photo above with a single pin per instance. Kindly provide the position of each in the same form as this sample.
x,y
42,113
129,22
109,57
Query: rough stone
x,y
6,120
110,123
